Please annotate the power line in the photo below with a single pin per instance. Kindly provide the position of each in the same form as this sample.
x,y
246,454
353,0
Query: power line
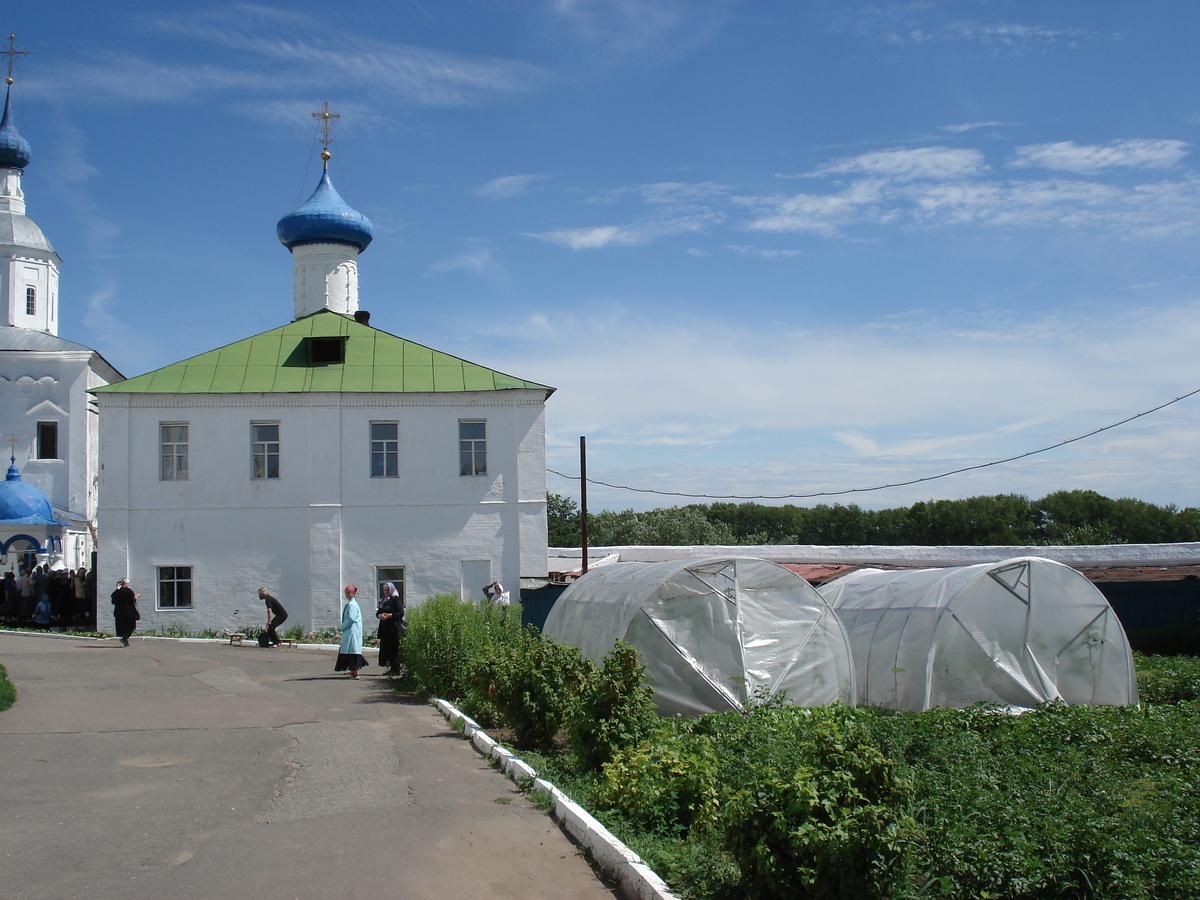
x,y
883,487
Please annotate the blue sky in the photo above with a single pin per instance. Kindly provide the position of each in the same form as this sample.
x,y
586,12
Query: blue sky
x,y
760,248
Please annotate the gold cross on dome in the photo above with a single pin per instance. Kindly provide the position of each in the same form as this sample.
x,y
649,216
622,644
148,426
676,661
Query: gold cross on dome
x,y
12,53
12,441
326,115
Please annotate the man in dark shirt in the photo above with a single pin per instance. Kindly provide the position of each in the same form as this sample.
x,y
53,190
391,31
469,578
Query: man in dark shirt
x,y
276,615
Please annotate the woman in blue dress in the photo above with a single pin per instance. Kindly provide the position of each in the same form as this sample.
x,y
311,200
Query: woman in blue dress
x,y
350,658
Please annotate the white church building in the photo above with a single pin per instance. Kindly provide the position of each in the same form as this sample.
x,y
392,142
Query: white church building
x,y
319,453
46,415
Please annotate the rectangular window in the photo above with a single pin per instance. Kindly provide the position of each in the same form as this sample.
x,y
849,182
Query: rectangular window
x,y
30,301
173,444
47,440
472,447
384,574
174,587
385,449
265,449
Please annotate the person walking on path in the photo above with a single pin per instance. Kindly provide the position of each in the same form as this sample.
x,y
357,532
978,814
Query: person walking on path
x,y
391,628
125,610
350,658
276,616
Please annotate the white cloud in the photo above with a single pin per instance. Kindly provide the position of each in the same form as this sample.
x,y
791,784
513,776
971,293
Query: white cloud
x,y
283,53
506,187
717,405
1086,159
1012,36
762,252
599,236
477,260
631,26
971,126
937,163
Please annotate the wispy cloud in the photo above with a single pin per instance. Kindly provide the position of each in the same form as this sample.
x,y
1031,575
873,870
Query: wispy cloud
x,y
823,408
274,52
1007,35
478,260
762,252
599,236
632,26
506,187
1067,156
971,126
937,163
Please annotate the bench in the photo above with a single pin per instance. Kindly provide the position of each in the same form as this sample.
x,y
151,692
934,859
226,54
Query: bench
x,y
235,637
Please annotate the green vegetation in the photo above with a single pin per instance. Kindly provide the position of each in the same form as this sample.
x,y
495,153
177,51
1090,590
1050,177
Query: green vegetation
x,y
8,693
1064,517
782,802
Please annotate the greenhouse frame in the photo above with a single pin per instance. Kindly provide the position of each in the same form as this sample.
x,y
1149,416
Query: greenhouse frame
x,y
712,633
1018,632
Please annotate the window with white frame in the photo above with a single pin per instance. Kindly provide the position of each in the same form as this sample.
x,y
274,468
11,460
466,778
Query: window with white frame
x,y
472,447
47,440
31,301
265,449
385,449
174,587
173,451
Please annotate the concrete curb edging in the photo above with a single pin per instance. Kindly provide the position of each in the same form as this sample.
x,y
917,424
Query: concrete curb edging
x,y
637,880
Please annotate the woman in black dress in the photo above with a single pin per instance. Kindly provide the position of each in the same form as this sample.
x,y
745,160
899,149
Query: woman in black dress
x,y
391,628
125,610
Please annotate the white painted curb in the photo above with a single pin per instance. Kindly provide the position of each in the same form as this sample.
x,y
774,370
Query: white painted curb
x,y
637,879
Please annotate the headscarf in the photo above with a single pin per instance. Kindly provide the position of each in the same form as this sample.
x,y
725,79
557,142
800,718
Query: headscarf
x,y
389,591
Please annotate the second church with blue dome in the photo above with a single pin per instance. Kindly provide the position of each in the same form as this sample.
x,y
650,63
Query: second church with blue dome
x,y
319,453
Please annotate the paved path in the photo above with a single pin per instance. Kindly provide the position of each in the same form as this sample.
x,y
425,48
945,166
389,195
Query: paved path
x,y
184,771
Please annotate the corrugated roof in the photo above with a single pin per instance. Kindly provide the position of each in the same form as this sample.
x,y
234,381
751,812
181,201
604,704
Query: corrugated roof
x,y
277,361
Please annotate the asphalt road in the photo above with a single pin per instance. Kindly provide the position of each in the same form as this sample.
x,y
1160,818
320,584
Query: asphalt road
x,y
184,771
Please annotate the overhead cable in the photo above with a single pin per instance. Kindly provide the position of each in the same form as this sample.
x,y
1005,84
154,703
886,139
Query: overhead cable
x,y
882,487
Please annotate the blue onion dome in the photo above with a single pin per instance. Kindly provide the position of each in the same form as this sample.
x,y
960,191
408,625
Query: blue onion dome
x,y
14,149
23,502
325,219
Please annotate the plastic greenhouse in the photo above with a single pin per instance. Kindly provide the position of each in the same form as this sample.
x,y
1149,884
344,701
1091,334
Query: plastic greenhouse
x,y
712,631
1017,632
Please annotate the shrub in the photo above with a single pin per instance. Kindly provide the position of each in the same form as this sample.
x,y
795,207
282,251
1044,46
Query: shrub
x,y
8,693
533,684
833,826
445,637
615,708
1168,679
667,784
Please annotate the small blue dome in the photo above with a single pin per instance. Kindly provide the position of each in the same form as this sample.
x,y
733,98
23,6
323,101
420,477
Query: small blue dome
x,y
23,503
325,219
14,149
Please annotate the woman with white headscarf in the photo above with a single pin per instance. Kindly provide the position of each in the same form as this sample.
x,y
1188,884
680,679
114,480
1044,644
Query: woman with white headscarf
x,y
391,628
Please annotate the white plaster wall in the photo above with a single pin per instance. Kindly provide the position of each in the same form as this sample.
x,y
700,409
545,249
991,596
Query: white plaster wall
x,y
325,521
23,269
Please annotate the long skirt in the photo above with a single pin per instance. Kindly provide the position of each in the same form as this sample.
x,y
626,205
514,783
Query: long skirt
x,y
125,625
349,661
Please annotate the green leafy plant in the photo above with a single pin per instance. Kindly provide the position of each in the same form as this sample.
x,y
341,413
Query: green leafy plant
x,y
615,708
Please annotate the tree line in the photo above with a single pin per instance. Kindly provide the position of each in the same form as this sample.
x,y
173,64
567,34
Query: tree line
x,y
1060,518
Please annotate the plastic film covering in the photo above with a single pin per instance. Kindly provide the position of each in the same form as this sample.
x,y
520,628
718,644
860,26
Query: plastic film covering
x,y
1018,632
711,632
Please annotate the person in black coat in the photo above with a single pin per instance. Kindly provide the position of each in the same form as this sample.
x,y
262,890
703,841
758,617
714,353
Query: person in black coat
x,y
125,610
391,628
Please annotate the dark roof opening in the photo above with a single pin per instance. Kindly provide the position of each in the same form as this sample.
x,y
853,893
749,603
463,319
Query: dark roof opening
x,y
325,350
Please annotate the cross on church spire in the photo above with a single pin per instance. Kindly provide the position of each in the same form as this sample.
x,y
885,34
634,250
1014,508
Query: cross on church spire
x,y
13,443
326,115
12,54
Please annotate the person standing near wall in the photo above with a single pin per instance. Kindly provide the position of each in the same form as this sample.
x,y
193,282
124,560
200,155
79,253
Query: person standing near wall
x,y
350,658
125,610
391,628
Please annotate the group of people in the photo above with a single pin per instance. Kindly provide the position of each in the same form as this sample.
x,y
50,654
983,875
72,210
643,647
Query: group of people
x,y
389,611
41,597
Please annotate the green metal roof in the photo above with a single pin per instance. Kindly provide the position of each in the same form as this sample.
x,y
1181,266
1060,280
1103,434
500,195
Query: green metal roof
x,y
277,361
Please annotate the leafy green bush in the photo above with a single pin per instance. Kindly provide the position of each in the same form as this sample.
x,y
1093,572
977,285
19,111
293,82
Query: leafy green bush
x,y
667,784
830,823
445,639
8,693
1167,679
615,709
532,683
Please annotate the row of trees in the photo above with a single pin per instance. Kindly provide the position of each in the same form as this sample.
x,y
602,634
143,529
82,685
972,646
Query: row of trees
x,y
1064,517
